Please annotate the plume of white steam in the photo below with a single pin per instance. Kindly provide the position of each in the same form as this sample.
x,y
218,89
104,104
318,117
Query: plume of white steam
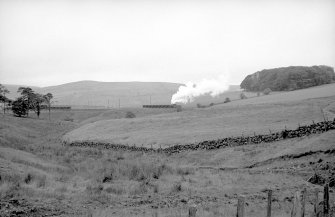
x,y
213,87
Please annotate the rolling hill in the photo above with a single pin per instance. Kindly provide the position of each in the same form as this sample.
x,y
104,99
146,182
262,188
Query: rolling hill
x,y
94,93
249,116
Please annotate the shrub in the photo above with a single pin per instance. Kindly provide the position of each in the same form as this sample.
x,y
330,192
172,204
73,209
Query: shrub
x,y
211,104
267,91
130,115
227,100
20,107
243,96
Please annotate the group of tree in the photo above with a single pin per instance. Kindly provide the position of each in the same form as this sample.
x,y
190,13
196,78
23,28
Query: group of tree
x,y
288,78
28,100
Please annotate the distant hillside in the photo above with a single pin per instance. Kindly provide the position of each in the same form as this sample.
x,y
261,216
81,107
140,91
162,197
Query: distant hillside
x,y
101,94
94,93
13,90
288,78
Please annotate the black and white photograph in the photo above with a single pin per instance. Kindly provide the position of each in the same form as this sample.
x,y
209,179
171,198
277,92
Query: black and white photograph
x,y
167,108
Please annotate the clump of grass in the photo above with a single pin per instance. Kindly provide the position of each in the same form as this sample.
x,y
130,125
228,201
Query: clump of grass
x,y
156,188
95,193
41,181
28,178
120,156
62,189
130,115
185,171
9,190
176,187
115,189
63,177
102,198
32,177
139,188
94,188
142,170
10,178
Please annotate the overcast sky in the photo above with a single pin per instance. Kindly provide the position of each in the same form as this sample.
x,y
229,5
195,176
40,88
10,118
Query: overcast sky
x,y
50,42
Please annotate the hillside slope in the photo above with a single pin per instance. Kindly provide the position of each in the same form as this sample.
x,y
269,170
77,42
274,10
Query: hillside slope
x,y
254,115
94,93
40,176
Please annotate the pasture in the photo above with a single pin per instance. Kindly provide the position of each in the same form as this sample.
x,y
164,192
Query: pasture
x,y
40,176
242,117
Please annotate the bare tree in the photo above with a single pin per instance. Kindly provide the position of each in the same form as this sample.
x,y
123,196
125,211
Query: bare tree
x,y
47,98
37,99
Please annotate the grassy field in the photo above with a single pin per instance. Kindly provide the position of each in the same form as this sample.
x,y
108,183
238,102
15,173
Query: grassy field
x,y
249,116
40,176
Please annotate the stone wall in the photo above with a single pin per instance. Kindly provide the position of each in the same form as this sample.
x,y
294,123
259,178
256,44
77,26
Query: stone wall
x,y
301,131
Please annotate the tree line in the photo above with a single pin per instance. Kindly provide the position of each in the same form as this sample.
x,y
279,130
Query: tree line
x,y
28,100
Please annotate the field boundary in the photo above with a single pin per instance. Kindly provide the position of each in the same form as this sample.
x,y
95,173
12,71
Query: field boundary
x,y
301,131
321,208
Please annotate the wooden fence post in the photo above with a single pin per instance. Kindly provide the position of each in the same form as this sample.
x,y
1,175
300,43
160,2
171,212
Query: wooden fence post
x,y
268,212
326,200
192,211
296,209
240,206
316,202
303,202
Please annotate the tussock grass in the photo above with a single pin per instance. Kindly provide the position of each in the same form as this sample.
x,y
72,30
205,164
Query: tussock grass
x,y
185,171
27,178
139,188
109,168
176,187
115,189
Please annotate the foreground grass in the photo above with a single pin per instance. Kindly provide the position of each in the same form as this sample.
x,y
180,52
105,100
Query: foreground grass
x,y
71,181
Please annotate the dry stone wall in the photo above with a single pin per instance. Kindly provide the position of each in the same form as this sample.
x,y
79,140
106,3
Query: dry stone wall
x,y
301,131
